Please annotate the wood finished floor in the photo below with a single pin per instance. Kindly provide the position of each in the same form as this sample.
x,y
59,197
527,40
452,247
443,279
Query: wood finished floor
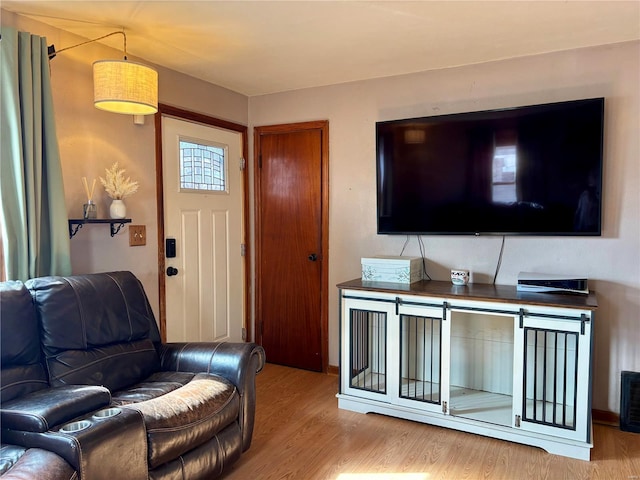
x,y
301,434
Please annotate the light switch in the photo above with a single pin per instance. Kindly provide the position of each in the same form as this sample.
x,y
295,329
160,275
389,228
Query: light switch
x,y
137,235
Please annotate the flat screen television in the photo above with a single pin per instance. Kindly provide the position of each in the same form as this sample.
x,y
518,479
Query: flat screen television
x,y
532,170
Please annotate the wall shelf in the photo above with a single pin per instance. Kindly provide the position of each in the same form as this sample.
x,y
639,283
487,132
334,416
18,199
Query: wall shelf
x,y
115,225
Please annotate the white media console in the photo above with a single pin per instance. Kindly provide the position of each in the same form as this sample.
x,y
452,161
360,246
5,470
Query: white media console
x,y
484,359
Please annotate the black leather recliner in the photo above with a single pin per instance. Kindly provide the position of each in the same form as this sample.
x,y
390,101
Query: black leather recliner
x,y
193,402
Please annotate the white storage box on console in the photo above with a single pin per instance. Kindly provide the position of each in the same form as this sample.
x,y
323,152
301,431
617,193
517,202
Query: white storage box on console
x,y
392,269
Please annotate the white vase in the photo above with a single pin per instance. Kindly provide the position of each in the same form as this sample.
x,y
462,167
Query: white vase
x,y
118,209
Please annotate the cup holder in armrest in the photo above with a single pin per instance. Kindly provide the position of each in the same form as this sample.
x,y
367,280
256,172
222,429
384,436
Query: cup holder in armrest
x,y
106,413
79,425
75,426
83,440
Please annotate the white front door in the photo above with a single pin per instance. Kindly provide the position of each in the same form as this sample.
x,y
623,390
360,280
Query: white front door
x,y
203,213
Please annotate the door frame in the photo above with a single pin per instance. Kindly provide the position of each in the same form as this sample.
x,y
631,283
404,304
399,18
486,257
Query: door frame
x,y
187,115
323,126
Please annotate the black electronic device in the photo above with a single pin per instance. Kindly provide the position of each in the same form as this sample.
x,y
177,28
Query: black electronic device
x,y
552,283
532,170
170,248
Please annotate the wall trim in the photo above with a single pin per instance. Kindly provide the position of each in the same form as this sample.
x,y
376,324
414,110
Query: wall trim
x,y
605,417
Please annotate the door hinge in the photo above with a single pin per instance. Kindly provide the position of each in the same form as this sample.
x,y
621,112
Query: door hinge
x,y
243,249
517,422
244,334
444,407
243,163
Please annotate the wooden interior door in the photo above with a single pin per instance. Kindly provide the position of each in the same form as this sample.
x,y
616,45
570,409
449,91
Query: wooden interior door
x,y
291,243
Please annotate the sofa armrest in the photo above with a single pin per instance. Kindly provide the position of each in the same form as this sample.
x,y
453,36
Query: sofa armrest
x,y
233,361
42,410
237,362
108,444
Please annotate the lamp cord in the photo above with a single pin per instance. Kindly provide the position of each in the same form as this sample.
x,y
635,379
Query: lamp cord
x,y
124,35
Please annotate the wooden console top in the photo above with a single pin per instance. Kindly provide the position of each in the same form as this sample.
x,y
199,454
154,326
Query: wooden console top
x,y
477,291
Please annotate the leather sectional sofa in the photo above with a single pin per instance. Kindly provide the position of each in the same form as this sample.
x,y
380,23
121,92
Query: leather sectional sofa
x,y
88,387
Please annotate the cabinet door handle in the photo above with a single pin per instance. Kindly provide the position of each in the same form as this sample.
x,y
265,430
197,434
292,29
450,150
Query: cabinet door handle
x,y
313,257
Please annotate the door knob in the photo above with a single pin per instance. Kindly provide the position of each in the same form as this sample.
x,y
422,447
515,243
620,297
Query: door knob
x,y
313,257
171,271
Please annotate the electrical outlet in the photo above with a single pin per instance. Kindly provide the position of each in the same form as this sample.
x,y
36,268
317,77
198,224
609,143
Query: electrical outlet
x,y
137,235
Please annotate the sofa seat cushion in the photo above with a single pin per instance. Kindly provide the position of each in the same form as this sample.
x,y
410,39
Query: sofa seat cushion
x,y
185,416
19,463
156,385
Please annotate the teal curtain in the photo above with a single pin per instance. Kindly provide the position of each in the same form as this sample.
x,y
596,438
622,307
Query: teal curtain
x,y
35,236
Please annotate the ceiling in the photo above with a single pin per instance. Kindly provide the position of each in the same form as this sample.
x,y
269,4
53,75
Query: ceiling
x,y
261,47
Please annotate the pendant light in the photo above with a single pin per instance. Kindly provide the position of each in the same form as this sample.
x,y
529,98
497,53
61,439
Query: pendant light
x,y
121,86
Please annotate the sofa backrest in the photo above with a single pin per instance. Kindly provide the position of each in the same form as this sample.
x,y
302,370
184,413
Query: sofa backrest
x,y
96,329
22,369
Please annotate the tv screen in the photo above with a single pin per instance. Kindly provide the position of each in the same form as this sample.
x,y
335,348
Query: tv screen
x,y
533,170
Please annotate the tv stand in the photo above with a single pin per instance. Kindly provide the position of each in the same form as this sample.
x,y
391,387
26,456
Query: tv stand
x,y
483,359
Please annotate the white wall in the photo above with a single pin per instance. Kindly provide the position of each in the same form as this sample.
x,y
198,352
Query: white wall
x,y
612,262
91,140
